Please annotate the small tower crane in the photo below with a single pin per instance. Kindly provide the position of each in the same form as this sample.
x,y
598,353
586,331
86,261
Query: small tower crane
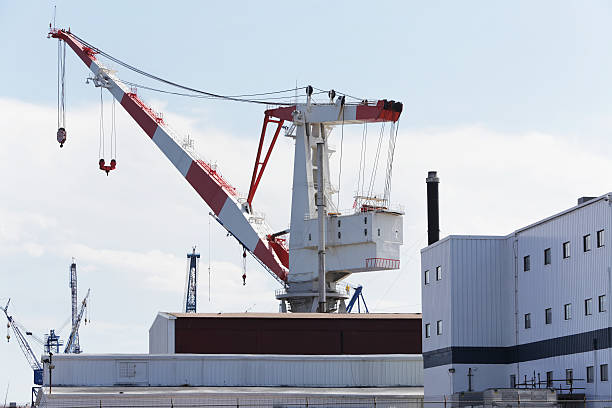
x,y
193,266
73,338
23,344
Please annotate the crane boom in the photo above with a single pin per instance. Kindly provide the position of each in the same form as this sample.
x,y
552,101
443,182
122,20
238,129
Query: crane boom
x,y
23,343
74,333
220,196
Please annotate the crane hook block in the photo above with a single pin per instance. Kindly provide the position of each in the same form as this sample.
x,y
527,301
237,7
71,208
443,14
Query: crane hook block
x,y
107,169
61,136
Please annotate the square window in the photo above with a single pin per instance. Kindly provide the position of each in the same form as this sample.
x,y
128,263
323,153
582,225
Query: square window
x,y
566,250
439,327
603,372
588,307
569,376
526,263
427,277
548,315
590,374
547,257
438,273
602,303
586,243
549,379
600,238
427,330
527,320
567,311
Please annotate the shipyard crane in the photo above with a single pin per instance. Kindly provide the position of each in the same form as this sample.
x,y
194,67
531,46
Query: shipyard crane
x,y
23,344
191,284
324,245
72,345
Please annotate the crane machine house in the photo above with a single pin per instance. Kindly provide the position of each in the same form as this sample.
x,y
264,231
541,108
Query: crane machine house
x,y
325,245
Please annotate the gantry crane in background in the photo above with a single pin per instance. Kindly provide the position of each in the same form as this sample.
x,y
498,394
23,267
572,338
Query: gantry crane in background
x,y
72,345
325,244
191,283
19,331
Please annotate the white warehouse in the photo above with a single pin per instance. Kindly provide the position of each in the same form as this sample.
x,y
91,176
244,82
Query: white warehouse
x,y
530,307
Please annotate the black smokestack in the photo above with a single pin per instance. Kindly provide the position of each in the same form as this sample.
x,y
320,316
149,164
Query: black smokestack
x,y
433,217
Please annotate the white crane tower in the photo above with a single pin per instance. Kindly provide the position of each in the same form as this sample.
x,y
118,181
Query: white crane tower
x,y
325,245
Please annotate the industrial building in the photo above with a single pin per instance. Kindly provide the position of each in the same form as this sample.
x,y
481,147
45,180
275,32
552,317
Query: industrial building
x,y
247,359
529,309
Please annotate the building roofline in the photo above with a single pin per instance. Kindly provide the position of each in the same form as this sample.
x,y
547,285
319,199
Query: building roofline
x,y
606,197
293,315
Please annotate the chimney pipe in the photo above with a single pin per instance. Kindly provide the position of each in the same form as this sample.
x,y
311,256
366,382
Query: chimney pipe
x,y
433,218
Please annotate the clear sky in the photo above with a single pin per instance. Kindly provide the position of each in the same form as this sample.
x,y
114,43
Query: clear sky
x,y
510,102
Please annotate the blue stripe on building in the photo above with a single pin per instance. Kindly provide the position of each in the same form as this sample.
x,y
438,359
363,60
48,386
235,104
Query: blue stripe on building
x,y
558,346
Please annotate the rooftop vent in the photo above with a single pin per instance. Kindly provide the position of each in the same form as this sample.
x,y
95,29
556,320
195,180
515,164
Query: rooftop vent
x,y
583,200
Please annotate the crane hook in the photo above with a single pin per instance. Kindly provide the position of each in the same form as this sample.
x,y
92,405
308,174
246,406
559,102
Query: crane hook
x,y
61,136
244,267
107,169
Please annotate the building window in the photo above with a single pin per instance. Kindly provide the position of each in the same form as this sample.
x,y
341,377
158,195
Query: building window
x,y
566,250
586,243
526,263
602,303
365,232
427,277
569,376
547,257
590,374
438,273
549,379
567,311
603,372
600,238
339,234
339,223
548,315
527,320
439,327
427,330
365,220
588,307
512,380
378,232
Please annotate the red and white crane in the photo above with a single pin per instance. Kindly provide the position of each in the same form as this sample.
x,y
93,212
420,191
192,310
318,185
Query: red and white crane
x,y
365,240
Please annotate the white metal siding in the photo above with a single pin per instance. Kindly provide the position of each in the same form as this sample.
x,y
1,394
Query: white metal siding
x,y
481,298
161,334
239,370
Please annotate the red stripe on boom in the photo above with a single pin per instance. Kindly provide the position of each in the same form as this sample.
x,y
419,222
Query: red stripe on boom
x,y
206,187
264,254
134,107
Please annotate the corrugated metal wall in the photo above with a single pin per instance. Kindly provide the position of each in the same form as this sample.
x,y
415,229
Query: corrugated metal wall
x,y
477,297
236,370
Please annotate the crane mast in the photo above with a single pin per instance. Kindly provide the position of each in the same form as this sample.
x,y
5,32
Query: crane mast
x,y
76,348
325,245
